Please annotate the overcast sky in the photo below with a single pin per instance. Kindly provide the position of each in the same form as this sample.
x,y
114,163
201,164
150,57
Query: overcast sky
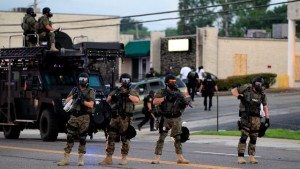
x,y
108,7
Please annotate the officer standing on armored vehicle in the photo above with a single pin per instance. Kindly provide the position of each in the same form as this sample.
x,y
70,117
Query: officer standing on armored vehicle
x,y
171,103
251,97
29,25
77,126
122,102
45,28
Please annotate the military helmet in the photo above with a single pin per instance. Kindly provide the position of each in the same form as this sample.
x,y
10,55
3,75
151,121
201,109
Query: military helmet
x,y
29,10
258,79
46,10
131,132
185,134
83,79
125,79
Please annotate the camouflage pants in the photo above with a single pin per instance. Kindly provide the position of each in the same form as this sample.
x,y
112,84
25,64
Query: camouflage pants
x,y
77,128
49,35
250,128
173,124
118,128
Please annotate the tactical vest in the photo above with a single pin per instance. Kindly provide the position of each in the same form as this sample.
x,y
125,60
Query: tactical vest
x,y
80,109
122,105
25,26
252,102
171,109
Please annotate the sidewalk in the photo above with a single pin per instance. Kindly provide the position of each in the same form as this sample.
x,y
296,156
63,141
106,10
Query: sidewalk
x,y
270,90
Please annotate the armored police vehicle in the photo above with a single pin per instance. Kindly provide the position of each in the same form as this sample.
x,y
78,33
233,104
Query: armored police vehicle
x,y
35,81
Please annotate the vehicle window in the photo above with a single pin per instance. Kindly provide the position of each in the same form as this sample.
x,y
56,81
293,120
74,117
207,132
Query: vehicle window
x,y
142,88
94,81
60,78
155,86
179,83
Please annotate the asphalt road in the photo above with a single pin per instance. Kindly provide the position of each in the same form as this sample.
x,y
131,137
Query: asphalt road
x,y
203,151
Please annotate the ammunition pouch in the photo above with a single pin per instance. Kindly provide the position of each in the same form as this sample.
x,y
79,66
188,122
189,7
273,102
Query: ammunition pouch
x,y
171,115
77,113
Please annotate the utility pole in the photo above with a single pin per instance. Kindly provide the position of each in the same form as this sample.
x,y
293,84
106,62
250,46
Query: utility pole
x,y
35,3
137,31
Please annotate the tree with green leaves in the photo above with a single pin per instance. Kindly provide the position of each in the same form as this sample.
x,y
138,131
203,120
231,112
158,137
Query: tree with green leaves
x,y
134,27
191,19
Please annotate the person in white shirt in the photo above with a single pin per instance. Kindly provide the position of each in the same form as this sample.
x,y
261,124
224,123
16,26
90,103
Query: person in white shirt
x,y
201,75
184,72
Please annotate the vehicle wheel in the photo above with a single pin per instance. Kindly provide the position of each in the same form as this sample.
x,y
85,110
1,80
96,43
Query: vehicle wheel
x,y
48,130
11,132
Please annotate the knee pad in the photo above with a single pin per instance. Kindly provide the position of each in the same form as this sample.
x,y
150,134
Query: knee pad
x,y
252,141
70,138
243,139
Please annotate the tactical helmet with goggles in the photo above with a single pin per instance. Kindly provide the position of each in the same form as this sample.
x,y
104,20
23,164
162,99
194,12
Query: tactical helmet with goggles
x,y
83,79
46,11
30,11
125,79
257,83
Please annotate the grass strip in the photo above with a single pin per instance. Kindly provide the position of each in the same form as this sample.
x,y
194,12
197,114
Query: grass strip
x,y
271,133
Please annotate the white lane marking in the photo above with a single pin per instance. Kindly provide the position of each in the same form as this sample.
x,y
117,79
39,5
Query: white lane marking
x,y
214,153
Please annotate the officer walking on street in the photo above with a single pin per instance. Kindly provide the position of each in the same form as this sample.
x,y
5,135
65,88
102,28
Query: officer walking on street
x,y
45,28
84,100
171,103
122,102
148,111
251,97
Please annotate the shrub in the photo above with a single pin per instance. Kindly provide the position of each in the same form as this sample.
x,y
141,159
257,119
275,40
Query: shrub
x,y
226,84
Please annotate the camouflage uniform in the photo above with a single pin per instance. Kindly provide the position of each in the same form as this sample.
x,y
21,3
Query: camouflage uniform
x,y
171,120
30,22
249,118
42,30
79,121
121,119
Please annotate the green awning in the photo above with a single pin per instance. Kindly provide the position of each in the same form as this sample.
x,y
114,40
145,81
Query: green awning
x,y
136,49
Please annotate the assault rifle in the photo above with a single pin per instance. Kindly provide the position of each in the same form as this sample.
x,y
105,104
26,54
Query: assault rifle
x,y
176,97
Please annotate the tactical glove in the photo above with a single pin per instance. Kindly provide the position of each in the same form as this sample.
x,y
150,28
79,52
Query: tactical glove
x,y
240,97
267,123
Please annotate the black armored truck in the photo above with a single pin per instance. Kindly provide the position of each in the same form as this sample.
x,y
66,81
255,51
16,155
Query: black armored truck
x,y
34,83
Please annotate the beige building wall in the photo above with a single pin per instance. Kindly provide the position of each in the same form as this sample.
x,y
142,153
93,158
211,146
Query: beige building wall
x,y
125,66
99,34
238,56
155,48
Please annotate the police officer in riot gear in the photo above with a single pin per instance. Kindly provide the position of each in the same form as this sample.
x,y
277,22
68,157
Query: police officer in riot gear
x,y
171,103
251,97
45,28
122,102
84,99
29,27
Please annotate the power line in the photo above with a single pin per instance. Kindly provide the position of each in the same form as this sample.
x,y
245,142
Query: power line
x,y
172,18
141,15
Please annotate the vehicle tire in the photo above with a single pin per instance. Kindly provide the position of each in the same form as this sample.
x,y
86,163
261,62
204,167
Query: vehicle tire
x,y
11,132
48,130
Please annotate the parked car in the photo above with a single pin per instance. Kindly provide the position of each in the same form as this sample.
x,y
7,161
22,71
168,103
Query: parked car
x,y
155,84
